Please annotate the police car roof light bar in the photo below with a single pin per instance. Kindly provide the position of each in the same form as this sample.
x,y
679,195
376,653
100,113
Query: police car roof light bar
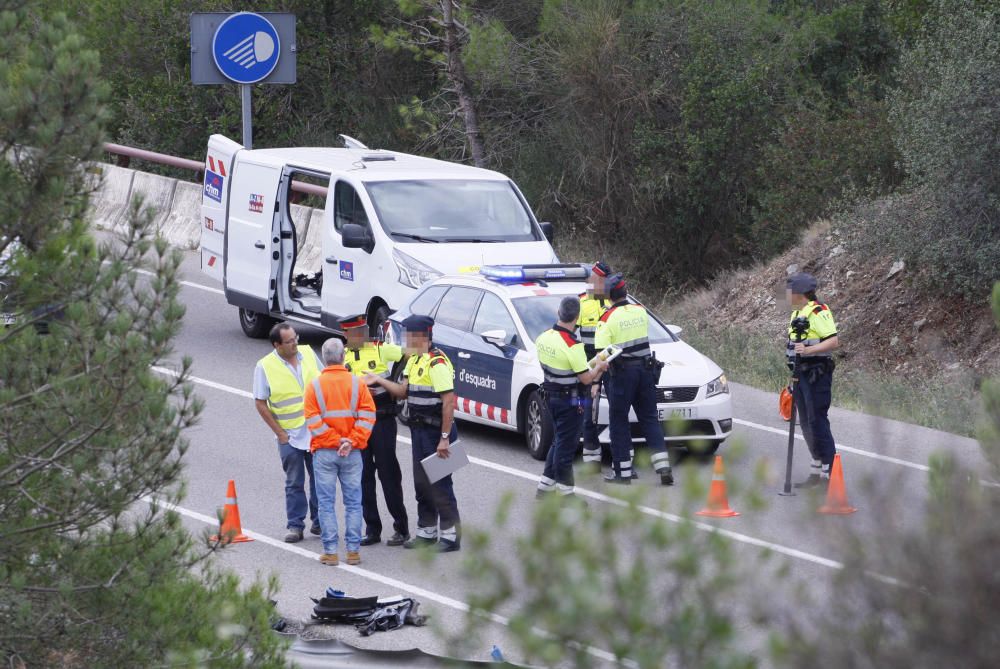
x,y
519,273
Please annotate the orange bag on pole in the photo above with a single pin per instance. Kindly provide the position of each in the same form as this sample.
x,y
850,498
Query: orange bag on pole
x,y
785,403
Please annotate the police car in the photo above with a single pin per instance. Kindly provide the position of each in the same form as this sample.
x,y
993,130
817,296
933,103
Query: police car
x,y
487,323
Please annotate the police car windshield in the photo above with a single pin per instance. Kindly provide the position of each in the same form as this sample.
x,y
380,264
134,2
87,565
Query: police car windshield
x,y
452,210
538,313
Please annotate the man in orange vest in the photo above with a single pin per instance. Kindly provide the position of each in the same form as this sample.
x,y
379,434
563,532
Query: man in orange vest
x,y
340,414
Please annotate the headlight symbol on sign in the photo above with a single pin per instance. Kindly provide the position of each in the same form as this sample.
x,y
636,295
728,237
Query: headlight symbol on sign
x,y
246,48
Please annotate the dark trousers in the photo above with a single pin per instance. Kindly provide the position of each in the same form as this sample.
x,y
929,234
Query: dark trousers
x,y
436,503
634,387
812,401
380,458
590,433
566,416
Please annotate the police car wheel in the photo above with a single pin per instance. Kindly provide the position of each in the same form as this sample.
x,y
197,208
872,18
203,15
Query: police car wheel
x,y
537,427
255,326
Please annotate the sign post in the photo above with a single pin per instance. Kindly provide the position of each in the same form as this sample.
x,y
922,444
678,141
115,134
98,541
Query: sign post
x,y
244,48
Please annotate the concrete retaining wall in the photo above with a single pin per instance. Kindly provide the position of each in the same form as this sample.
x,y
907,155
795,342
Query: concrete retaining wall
x,y
182,225
310,257
109,204
157,193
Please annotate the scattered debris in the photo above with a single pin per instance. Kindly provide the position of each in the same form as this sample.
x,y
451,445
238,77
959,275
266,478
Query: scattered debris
x,y
896,268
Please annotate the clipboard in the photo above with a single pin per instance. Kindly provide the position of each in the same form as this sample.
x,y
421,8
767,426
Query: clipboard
x,y
437,468
608,354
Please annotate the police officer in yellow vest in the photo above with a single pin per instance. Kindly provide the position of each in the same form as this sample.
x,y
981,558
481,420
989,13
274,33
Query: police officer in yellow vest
x,y
593,304
279,383
815,372
567,378
362,357
429,390
632,384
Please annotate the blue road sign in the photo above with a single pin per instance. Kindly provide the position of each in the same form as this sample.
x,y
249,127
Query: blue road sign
x,y
246,48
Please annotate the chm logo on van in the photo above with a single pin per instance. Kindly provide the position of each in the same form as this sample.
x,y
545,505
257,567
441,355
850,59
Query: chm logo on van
x,y
213,185
346,271
256,203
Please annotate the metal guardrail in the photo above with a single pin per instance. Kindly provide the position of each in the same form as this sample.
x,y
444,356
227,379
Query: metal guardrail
x,y
124,154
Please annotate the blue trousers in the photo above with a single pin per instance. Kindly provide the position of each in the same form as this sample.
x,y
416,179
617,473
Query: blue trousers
x,y
331,468
296,463
567,416
634,387
812,401
436,503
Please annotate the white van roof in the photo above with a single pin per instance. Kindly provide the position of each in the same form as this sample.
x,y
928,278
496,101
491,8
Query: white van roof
x,y
367,164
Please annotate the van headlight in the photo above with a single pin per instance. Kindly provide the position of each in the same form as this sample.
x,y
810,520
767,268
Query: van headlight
x,y
717,386
412,272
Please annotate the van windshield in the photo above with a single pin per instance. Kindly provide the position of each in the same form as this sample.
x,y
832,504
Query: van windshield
x,y
452,210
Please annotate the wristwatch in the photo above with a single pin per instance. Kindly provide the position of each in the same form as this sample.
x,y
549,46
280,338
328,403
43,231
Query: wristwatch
x,y
445,435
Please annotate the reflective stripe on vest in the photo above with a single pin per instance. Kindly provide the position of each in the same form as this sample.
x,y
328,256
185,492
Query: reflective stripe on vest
x,y
318,425
287,398
362,364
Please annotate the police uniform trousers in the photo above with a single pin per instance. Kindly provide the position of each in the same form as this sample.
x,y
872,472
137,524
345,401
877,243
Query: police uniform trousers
x,y
380,458
567,416
633,386
812,402
436,503
591,445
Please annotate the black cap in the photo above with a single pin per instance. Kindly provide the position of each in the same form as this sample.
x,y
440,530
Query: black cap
x,y
417,323
353,322
801,283
616,286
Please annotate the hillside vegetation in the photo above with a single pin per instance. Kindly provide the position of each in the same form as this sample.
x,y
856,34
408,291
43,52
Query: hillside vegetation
x,y
680,140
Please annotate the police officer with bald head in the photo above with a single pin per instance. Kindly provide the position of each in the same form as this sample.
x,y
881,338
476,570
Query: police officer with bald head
x,y
813,387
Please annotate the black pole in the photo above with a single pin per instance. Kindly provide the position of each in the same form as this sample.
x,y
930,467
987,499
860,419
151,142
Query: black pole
x,y
787,491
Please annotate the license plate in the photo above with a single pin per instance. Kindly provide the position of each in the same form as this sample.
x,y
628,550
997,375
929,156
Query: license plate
x,y
685,413
7,319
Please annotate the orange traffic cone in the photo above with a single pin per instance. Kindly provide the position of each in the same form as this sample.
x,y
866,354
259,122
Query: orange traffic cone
x,y
231,519
836,492
718,502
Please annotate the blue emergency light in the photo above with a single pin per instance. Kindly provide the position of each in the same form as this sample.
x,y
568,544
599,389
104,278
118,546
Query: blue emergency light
x,y
529,273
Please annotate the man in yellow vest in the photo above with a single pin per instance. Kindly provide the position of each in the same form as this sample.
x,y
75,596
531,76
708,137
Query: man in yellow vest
x,y
813,387
279,383
634,375
567,376
593,304
361,358
429,390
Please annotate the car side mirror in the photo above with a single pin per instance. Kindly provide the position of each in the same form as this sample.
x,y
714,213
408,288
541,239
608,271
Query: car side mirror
x,y
675,330
547,230
357,237
496,337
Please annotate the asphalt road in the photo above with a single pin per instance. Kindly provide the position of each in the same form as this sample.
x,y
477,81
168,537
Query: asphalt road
x,y
885,464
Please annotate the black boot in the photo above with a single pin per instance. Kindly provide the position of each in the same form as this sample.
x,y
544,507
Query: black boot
x,y
667,477
614,478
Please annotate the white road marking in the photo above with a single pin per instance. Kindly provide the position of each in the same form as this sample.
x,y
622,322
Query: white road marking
x,y
189,284
204,382
365,573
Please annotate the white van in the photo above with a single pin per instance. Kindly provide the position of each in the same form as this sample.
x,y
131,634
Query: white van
x,y
390,223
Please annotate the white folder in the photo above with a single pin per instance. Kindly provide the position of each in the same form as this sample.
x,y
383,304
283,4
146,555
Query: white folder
x,y
437,468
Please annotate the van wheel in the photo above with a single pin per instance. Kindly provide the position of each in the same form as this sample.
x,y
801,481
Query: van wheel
x,y
537,427
255,326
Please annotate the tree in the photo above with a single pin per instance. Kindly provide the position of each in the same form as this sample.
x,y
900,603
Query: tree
x,y
436,31
93,571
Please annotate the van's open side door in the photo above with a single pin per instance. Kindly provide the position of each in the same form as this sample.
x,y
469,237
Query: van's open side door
x,y
214,203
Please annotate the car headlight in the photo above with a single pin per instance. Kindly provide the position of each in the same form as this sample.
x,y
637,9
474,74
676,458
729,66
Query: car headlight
x,y
412,272
717,386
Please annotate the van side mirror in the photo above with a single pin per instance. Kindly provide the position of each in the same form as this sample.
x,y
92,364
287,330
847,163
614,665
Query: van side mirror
x,y
357,237
547,230
495,337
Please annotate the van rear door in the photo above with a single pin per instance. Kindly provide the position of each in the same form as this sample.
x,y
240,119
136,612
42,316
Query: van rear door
x,y
253,235
214,202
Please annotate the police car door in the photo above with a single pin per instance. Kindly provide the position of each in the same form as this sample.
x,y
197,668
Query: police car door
x,y
492,345
253,237
347,272
452,323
